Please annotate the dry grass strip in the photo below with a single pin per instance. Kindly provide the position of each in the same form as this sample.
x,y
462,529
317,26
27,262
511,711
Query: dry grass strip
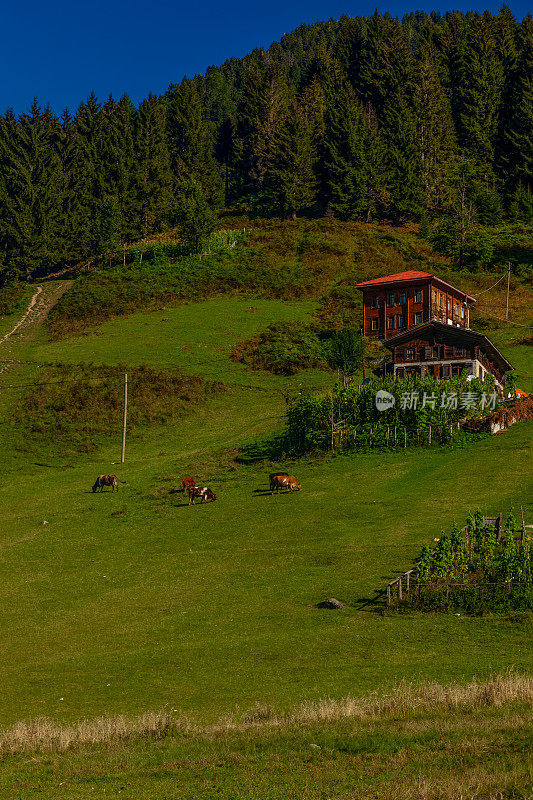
x,y
405,700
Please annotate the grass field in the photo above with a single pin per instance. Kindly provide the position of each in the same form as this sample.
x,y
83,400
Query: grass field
x,y
428,741
129,602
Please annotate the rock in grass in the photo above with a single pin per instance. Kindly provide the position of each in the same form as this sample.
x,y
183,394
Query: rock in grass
x,y
331,603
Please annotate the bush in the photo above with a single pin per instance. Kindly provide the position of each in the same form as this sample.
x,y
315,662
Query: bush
x,y
283,348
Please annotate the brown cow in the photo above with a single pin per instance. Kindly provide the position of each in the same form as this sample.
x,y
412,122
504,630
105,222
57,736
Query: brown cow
x,y
276,475
285,482
200,491
105,480
187,483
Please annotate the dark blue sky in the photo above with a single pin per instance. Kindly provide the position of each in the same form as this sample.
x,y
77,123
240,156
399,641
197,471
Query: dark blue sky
x,y
60,51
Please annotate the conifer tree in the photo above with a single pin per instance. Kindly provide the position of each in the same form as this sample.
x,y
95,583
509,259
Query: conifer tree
x,y
262,109
436,146
191,142
153,179
519,131
292,177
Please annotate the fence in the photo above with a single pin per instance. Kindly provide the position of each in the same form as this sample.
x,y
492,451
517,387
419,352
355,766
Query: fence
x,y
391,436
402,585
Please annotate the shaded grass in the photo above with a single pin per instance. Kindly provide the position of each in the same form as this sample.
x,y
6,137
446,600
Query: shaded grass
x,y
78,406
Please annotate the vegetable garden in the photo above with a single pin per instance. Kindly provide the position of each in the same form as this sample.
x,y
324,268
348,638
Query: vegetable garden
x,y
485,566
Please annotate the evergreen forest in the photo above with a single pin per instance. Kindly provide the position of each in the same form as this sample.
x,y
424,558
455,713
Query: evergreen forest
x,y
427,119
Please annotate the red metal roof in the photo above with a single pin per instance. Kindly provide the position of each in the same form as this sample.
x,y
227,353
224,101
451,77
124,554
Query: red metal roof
x,y
409,275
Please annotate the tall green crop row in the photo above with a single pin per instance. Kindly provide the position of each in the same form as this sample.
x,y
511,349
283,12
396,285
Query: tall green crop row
x,y
421,406
473,569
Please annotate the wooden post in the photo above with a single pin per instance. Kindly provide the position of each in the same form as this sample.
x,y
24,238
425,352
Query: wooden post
x,y
429,435
388,595
332,433
125,418
508,280
400,593
388,432
407,580
405,438
370,437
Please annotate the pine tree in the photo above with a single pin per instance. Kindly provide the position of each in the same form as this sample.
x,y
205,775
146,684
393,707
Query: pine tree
x,y
153,179
116,160
262,109
32,189
352,151
292,178
436,146
196,220
191,142
519,132
403,164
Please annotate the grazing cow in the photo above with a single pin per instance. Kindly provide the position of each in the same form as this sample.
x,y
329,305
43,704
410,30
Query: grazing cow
x,y
187,483
274,475
105,480
285,482
200,491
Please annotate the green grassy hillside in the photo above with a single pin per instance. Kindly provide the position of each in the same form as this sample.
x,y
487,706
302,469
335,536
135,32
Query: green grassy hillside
x,y
127,602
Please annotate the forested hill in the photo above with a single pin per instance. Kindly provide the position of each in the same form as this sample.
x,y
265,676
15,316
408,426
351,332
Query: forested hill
x,y
428,118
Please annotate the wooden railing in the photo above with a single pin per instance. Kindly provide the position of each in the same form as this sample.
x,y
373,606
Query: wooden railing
x,y
402,584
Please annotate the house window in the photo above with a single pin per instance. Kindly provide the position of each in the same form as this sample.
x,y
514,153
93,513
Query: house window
x,y
391,323
401,321
434,297
402,299
375,302
409,354
445,370
418,297
457,309
391,300
441,300
374,324
418,318
462,312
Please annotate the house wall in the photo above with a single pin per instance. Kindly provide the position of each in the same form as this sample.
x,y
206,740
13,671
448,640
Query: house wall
x,y
412,304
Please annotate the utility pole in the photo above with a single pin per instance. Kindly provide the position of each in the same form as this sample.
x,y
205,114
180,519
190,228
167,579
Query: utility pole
x,y
508,279
125,418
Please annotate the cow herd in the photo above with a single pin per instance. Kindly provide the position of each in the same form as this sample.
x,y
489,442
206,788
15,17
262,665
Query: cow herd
x,y
277,482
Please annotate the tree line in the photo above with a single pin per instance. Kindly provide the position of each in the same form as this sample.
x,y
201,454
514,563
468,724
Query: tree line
x,y
427,118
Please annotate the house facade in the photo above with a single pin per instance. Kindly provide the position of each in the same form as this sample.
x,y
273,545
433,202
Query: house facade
x,y
399,302
442,350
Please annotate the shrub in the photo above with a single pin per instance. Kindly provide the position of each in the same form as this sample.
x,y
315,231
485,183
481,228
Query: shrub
x,y
283,348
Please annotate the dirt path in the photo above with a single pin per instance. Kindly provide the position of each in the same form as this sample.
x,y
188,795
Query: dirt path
x,y
26,328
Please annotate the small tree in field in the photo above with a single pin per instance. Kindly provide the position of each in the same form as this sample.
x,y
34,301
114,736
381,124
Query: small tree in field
x,y
195,218
346,350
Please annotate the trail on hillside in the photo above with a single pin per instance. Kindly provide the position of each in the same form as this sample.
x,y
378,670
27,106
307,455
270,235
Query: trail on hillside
x,y
27,326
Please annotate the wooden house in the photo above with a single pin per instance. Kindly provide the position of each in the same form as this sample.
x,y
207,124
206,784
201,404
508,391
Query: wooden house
x,y
443,350
399,302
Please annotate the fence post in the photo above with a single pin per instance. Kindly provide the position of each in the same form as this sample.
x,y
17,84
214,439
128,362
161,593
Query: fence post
x,y
405,438
388,595
400,594
407,581
388,432
429,435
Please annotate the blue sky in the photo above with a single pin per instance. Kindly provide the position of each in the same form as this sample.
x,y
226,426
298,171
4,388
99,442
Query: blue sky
x,y
60,51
